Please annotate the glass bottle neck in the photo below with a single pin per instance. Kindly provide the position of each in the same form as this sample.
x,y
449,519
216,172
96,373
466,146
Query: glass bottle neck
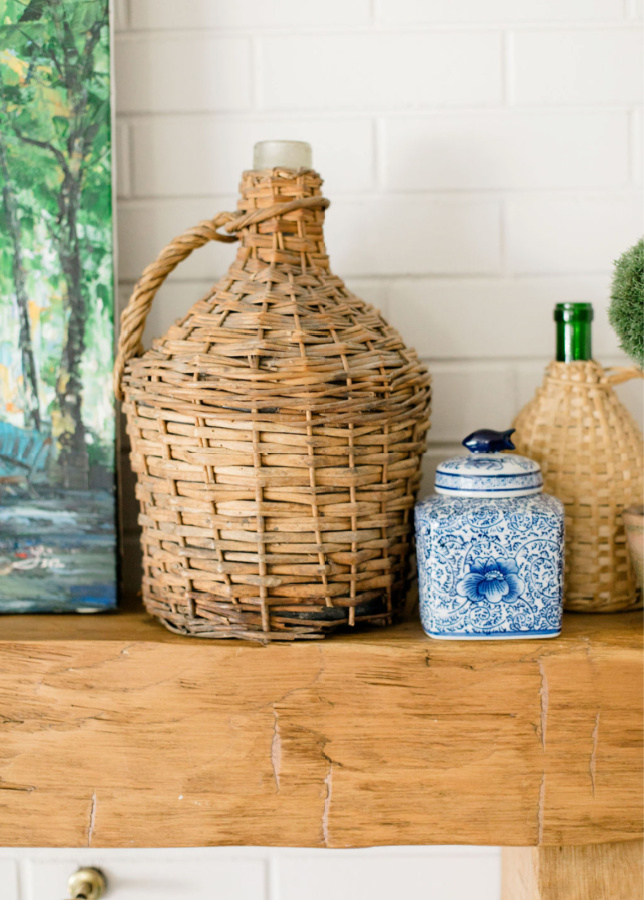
x,y
282,155
574,331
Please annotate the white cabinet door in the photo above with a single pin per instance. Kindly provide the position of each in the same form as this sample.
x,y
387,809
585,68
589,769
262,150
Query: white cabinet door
x,y
8,880
151,879
428,876
259,873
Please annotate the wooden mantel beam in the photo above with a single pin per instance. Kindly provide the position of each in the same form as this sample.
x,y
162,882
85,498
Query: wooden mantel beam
x,y
115,733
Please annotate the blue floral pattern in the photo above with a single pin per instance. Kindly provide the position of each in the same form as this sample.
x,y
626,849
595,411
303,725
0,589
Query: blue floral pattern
x,y
490,567
494,580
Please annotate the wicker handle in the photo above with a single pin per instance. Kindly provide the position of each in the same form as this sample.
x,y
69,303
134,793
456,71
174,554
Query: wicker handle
x,y
136,312
619,374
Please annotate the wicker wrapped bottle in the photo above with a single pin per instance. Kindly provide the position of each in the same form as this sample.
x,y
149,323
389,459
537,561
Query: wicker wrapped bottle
x,y
276,430
590,452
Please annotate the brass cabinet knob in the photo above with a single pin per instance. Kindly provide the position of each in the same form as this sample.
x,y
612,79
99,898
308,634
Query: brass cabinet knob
x,y
87,884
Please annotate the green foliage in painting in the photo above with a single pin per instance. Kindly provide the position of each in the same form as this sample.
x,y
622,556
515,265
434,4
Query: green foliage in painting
x,y
56,291
626,313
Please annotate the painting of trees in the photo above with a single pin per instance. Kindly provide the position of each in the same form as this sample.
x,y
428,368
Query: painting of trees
x,y
56,189
12,225
57,419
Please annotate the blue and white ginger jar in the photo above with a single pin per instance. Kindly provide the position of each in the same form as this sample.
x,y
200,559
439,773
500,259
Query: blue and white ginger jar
x,y
490,547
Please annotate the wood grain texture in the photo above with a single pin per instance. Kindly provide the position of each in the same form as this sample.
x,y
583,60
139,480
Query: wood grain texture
x,y
113,732
593,872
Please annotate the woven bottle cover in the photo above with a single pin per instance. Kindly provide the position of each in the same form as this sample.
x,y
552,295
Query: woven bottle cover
x,y
276,433
591,454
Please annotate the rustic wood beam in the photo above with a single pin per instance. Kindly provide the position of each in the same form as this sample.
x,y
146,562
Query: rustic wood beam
x,y
593,872
115,733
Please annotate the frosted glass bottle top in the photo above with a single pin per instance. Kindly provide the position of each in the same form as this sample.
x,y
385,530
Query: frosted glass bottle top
x,y
282,155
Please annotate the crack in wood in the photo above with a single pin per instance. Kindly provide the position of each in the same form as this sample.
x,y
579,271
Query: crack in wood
x,y
328,781
92,820
296,690
8,786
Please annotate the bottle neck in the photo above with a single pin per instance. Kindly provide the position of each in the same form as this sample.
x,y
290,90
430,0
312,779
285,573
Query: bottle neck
x,y
574,331
282,155
295,238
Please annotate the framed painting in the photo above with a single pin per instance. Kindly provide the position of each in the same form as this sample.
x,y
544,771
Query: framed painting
x,y
57,417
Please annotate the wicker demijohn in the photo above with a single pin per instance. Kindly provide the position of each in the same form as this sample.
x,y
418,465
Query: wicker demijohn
x,y
276,430
590,451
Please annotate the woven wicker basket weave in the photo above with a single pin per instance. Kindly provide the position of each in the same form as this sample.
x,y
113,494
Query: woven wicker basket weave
x,y
591,454
276,433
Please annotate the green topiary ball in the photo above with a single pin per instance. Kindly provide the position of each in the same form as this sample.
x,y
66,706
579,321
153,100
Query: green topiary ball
x,y
626,312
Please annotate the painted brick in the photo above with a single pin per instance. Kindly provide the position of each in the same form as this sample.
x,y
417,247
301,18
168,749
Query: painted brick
x,y
413,235
571,234
432,457
420,12
197,155
380,71
162,73
251,14
637,147
122,160
636,9
120,16
144,229
345,878
371,290
631,393
512,149
528,376
586,67
467,396
490,318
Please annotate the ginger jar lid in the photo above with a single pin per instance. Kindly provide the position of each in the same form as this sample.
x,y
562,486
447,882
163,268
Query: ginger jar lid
x,y
487,471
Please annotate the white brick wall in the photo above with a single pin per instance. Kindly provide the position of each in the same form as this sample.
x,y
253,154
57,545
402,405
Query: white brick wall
x,y
484,160
506,150
376,70
587,67
497,12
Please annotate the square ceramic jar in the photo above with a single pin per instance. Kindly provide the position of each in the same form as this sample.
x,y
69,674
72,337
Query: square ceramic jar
x,y
489,545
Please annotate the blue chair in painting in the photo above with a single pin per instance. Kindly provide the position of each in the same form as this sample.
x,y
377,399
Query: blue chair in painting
x,y
24,454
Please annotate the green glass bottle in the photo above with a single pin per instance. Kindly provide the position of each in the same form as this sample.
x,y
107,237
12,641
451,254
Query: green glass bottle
x,y
574,331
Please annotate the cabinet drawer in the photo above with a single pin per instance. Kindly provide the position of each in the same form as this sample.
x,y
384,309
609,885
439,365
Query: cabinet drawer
x,y
151,879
